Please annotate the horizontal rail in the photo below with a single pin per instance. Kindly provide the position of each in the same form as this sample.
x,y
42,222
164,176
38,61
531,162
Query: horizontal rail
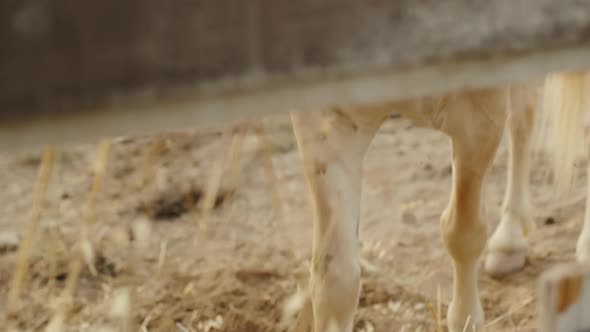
x,y
148,114
76,70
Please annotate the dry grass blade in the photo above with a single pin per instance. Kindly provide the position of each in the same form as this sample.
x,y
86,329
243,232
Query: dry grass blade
x,y
99,170
439,325
436,313
293,306
83,246
25,249
510,312
214,183
181,327
56,324
270,173
142,233
150,161
274,185
146,321
433,313
235,156
53,252
122,307
466,323
162,255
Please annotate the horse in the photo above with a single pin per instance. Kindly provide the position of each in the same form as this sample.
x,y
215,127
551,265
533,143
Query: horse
x,y
332,144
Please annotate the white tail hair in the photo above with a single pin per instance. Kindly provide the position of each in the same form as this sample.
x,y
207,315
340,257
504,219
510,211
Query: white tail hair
x,y
566,103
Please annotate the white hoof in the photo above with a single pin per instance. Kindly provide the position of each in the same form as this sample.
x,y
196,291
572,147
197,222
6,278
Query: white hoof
x,y
501,262
507,249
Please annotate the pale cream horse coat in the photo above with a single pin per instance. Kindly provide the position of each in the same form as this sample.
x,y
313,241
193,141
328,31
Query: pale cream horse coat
x,y
333,144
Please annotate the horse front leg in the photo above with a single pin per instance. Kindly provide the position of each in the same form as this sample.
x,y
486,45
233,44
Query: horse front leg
x,y
332,145
475,122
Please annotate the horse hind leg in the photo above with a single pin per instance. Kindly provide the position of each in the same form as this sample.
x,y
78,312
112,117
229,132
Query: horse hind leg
x,y
507,248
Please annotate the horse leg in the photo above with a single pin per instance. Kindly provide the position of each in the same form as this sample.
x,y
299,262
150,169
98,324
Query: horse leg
x,y
507,248
474,121
332,146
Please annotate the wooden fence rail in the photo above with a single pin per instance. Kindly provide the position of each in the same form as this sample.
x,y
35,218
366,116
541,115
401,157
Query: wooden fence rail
x,y
76,70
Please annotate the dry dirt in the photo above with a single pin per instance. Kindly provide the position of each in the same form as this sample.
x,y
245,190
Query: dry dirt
x,y
238,275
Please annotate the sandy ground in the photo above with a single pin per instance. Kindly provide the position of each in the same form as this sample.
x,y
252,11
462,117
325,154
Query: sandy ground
x,y
238,275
